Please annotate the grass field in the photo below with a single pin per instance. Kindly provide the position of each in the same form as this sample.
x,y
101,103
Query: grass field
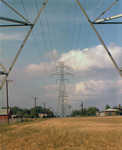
x,y
83,133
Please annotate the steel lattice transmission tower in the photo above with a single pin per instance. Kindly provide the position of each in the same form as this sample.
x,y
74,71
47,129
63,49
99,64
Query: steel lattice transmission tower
x,y
13,23
63,106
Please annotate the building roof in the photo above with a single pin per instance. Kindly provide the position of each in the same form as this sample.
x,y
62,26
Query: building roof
x,y
112,110
4,111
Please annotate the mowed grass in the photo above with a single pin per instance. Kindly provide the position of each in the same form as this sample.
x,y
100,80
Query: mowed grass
x,y
83,133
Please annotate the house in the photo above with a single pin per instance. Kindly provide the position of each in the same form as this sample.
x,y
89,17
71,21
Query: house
x,y
109,112
3,114
14,116
42,115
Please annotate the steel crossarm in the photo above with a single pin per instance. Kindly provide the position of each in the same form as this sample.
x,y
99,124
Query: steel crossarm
x,y
3,68
22,23
15,11
106,10
108,52
23,43
106,23
109,18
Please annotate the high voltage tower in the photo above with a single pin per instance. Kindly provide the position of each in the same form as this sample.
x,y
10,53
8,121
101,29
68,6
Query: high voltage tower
x,y
13,23
26,22
63,106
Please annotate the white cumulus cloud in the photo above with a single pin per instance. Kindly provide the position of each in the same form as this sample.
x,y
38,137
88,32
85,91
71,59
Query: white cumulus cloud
x,y
80,60
94,57
36,68
98,89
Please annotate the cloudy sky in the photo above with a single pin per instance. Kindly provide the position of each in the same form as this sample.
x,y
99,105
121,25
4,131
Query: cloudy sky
x,y
61,34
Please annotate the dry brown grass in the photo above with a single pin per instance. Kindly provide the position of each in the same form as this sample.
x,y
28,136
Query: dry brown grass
x,y
87,133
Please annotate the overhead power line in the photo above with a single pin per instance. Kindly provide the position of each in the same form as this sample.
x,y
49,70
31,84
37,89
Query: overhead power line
x,y
49,35
35,38
44,38
81,24
88,33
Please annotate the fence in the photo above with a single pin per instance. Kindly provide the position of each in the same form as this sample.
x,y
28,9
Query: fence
x,y
14,120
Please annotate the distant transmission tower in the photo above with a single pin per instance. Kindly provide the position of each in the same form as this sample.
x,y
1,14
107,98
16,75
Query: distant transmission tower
x,y
63,106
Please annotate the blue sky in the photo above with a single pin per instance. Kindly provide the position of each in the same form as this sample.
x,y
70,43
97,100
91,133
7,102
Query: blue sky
x,y
62,33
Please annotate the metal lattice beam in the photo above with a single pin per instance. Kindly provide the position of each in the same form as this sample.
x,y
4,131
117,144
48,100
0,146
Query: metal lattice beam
x,y
16,11
19,23
23,43
99,37
105,10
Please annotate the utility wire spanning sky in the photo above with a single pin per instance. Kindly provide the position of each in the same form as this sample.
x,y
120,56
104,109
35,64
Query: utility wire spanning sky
x,y
62,33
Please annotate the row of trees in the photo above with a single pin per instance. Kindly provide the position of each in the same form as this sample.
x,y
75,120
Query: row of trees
x,y
30,113
115,107
91,111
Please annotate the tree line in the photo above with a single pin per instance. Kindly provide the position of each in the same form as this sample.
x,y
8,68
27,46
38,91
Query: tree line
x,y
91,111
30,113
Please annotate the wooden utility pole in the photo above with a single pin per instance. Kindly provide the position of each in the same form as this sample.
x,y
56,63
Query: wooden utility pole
x,y
35,105
7,81
82,108
44,109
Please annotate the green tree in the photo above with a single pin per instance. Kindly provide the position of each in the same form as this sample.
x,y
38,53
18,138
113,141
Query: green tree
x,y
39,110
20,114
15,109
24,113
115,107
119,108
75,113
49,113
107,107
4,107
32,113
85,112
92,111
